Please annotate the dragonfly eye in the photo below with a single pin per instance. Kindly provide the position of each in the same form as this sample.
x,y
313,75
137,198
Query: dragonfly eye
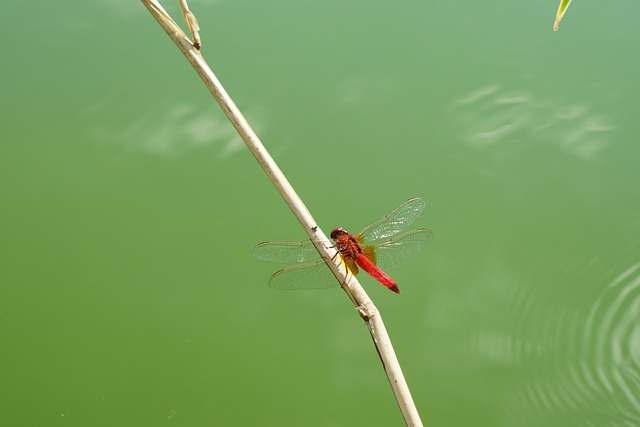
x,y
337,232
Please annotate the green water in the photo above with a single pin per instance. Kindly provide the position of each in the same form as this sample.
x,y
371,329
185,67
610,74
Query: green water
x,y
129,211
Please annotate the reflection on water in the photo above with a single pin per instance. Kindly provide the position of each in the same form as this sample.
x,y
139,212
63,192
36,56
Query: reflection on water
x,y
492,117
172,131
552,330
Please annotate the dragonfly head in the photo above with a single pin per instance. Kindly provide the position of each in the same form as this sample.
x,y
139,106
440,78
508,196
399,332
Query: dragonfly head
x,y
337,232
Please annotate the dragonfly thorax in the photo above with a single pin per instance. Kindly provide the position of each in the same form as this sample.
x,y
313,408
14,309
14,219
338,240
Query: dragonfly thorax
x,y
345,243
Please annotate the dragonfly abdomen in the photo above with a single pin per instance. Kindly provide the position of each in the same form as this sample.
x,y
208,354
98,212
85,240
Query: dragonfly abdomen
x,y
367,265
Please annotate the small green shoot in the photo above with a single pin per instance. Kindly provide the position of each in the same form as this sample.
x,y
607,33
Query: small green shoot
x,y
564,4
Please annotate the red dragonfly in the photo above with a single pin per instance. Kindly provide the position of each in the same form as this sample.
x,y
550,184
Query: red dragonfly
x,y
376,248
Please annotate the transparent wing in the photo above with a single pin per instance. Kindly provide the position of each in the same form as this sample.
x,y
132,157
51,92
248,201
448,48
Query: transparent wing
x,y
311,275
393,223
391,252
287,251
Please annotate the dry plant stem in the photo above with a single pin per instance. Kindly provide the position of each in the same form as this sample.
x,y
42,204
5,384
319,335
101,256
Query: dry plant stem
x,y
349,283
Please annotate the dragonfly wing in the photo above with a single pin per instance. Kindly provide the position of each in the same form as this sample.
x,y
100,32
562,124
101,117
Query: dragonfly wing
x,y
311,275
392,223
286,251
351,266
392,251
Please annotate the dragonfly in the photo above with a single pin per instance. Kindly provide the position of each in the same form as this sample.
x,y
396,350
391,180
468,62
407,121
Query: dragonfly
x,y
377,248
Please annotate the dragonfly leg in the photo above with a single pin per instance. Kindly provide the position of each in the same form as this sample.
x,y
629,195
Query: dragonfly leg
x,y
346,277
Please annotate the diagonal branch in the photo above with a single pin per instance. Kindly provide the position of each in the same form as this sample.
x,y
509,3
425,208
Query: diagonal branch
x,y
350,285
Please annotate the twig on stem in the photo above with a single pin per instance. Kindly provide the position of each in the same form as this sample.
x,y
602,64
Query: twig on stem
x,y
192,23
350,285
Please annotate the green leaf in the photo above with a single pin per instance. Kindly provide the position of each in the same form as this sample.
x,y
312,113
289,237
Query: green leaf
x,y
564,4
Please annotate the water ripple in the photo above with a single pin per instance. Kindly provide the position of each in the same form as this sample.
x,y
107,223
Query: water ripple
x,y
561,355
592,356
